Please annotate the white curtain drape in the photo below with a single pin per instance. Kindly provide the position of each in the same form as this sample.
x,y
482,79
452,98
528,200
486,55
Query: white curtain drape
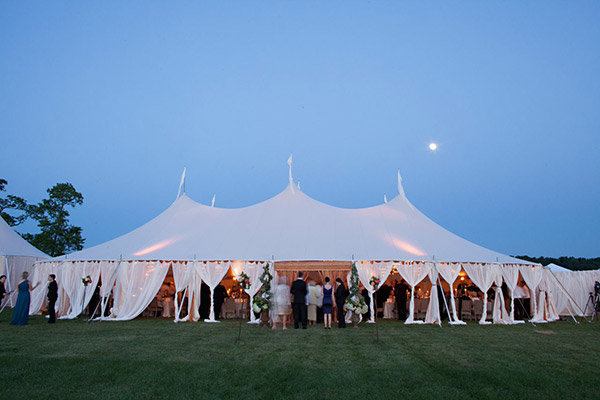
x,y
449,273
510,275
71,282
561,296
108,275
499,315
532,276
545,311
413,274
181,276
137,284
433,309
39,280
368,269
483,277
13,267
254,270
212,272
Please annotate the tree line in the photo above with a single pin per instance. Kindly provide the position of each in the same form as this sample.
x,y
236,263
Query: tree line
x,y
56,236
572,263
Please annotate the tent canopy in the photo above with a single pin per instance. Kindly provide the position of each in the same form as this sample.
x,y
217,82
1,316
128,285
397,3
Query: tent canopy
x,y
557,268
12,244
292,226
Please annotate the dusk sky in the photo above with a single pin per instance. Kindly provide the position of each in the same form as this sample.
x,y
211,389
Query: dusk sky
x,y
117,97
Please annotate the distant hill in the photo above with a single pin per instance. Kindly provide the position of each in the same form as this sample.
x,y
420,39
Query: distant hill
x,y
573,263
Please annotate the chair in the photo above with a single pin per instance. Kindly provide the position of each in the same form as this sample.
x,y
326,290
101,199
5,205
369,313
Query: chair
x,y
490,310
477,308
467,309
154,309
423,304
228,310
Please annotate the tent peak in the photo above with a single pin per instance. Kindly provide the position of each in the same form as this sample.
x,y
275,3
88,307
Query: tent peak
x,y
400,188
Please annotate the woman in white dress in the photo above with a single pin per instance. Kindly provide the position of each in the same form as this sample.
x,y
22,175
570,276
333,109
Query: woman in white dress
x,y
281,303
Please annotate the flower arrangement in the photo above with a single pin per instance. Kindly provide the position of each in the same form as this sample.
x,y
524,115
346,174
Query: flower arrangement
x,y
355,302
262,299
86,280
243,280
375,281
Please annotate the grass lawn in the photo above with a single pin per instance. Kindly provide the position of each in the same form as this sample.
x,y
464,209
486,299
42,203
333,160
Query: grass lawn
x,y
155,358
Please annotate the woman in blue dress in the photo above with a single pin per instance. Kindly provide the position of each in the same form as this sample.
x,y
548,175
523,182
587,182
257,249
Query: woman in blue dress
x,y
20,315
327,303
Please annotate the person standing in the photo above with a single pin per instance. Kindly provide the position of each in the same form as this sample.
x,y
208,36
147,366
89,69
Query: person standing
x,y
327,303
281,303
3,291
314,298
21,313
52,296
219,298
400,290
340,298
299,292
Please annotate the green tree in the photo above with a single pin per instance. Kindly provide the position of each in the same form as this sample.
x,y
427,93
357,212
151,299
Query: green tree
x,y
57,236
13,203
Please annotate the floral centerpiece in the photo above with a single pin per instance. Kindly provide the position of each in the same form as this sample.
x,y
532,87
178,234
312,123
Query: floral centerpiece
x,y
355,302
243,280
375,281
262,299
86,280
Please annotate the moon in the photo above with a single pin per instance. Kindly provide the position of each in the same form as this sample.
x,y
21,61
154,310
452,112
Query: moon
x,y
433,146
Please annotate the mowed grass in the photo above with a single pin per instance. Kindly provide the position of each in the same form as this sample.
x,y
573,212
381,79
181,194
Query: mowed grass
x,y
155,358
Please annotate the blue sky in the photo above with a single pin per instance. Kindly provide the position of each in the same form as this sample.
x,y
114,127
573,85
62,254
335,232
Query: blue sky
x,y
117,97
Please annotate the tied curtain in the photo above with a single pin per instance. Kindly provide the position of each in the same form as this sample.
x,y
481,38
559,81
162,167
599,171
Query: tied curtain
x,y
39,280
212,272
368,269
545,306
108,274
483,277
449,273
533,276
499,315
510,275
413,274
137,284
78,295
187,282
433,309
254,270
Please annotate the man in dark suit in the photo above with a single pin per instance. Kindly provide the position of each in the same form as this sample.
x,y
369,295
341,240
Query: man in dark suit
x,y
52,296
204,308
340,298
219,297
299,291
400,290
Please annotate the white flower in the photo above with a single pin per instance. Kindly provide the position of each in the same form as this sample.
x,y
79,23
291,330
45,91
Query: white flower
x,y
256,308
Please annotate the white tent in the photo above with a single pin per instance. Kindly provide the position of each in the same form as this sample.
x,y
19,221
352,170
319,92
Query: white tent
x,y
290,226
16,256
556,268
